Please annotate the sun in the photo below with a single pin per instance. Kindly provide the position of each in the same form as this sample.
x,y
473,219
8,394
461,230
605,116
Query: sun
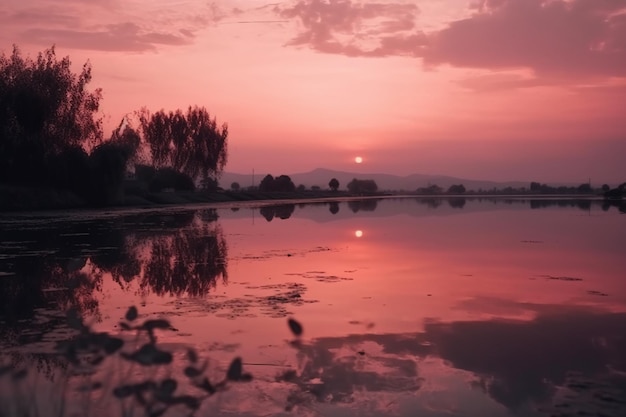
x,y
358,159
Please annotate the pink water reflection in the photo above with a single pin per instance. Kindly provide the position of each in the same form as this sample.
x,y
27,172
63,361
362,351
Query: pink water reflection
x,y
474,309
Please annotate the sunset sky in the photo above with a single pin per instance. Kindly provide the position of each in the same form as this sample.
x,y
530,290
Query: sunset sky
x,y
483,89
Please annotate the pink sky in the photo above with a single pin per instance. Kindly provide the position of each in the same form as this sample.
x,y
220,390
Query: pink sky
x,y
485,89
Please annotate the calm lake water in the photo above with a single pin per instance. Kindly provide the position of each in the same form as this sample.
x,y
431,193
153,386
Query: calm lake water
x,y
410,307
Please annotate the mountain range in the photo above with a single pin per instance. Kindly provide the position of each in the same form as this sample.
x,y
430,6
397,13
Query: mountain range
x,y
385,182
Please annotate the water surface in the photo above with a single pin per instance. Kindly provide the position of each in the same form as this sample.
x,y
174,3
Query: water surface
x,y
410,306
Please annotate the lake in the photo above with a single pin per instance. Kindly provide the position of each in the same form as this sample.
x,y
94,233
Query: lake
x,y
407,306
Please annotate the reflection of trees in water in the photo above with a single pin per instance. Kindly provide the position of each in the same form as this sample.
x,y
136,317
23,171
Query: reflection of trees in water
x,y
456,202
189,262
61,266
333,207
281,211
369,204
430,202
170,255
517,363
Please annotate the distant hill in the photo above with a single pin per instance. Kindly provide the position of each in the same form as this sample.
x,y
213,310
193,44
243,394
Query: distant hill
x,y
321,176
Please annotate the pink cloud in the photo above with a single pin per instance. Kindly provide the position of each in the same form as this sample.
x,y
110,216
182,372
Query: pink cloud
x,y
573,39
115,37
346,27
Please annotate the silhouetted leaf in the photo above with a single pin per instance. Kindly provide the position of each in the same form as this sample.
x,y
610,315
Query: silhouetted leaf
x,y
287,376
295,327
125,326
149,354
207,386
235,369
167,387
188,400
157,413
97,360
123,391
112,344
156,324
132,313
192,372
192,355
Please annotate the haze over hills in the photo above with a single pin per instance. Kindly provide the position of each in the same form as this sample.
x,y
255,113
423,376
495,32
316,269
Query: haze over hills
x,y
322,176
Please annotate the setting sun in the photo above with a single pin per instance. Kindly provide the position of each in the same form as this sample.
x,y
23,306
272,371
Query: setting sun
x,y
358,233
358,159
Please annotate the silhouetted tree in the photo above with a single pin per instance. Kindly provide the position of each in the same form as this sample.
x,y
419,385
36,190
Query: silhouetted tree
x,y
235,186
333,184
605,188
456,189
282,183
584,188
267,183
362,186
108,168
301,188
169,178
191,142
44,109
430,190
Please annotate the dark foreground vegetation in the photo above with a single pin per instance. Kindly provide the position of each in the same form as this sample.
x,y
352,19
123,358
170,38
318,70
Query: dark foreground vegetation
x,y
152,394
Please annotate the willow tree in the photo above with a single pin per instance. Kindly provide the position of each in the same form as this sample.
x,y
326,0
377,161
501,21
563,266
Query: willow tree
x,y
190,142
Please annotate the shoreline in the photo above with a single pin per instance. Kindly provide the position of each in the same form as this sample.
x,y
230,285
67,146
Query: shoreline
x,y
65,203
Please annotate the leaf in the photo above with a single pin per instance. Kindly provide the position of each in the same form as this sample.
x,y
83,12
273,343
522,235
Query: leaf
x,y
156,324
192,355
192,372
123,391
112,344
235,369
207,386
295,327
168,386
149,354
125,326
132,313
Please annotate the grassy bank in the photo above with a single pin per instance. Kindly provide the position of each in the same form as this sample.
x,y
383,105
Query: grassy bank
x,y
13,198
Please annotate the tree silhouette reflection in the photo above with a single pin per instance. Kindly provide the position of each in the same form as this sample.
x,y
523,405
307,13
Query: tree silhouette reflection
x,y
363,205
281,211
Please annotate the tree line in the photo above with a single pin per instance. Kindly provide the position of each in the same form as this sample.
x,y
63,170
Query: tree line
x,y
51,134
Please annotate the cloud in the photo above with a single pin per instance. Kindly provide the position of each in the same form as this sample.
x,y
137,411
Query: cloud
x,y
116,37
107,25
573,39
348,27
555,38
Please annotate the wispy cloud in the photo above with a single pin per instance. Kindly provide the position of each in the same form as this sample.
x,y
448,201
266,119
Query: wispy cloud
x,y
348,27
118,37
109,25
